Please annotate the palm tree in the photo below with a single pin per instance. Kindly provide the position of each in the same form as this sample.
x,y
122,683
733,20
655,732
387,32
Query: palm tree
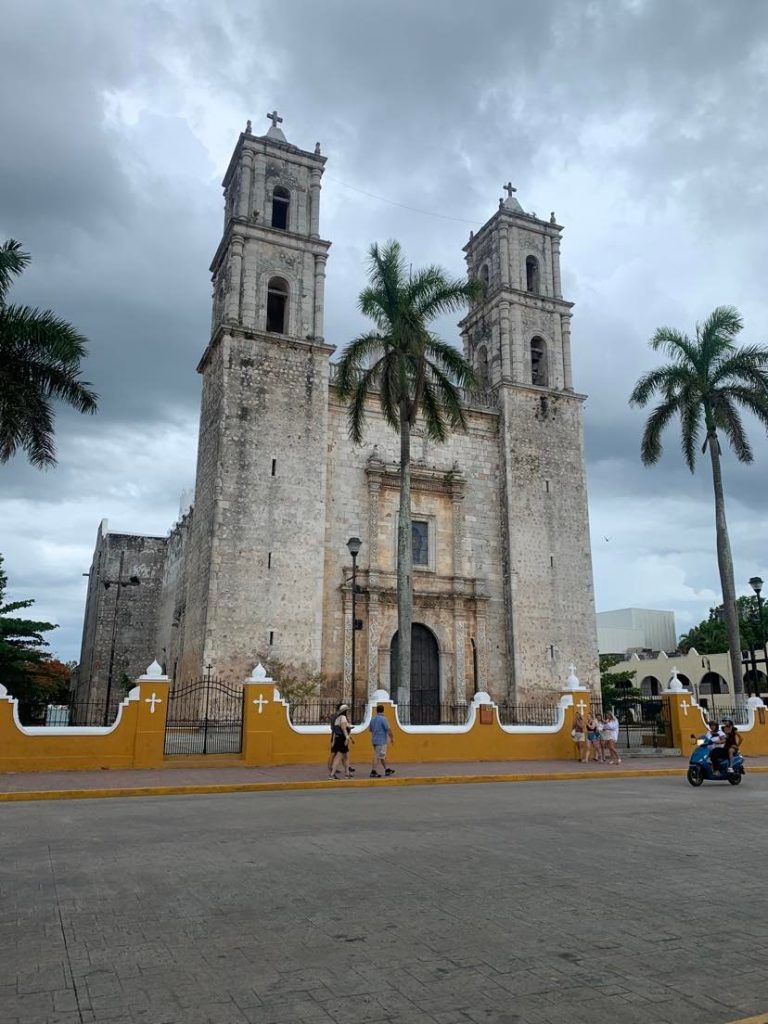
x,y
415,374
39,361
705,382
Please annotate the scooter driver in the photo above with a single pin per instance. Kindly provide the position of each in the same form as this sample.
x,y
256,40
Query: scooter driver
x,y
715,737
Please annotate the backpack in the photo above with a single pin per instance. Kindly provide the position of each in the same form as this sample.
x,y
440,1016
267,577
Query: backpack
x,y
336,730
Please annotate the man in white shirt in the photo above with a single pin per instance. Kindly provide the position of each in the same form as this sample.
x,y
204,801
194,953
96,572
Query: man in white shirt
x,y
716,739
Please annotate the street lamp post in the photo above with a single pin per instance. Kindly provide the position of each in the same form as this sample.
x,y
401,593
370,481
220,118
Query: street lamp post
x,y
353,546
119,583
757,585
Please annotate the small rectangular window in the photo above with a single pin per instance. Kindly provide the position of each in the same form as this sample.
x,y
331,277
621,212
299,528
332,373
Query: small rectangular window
x,y
274,467
551,561
420,540
546,486
269,560
271,637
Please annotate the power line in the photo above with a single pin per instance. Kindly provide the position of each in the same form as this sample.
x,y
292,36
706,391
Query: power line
x,y
403,206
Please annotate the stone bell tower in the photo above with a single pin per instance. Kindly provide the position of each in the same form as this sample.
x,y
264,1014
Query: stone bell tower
x,y
518,338
255,572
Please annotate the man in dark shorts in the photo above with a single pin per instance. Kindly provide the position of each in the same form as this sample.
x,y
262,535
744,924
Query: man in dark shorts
x,y
341,731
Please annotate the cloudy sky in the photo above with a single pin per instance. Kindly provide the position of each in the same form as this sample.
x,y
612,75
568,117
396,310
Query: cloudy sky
x,y
640,122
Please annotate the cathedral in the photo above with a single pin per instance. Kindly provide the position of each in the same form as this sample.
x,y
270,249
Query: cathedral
x,y
258,567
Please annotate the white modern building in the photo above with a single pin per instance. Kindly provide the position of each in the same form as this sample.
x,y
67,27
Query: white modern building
x,y
635,629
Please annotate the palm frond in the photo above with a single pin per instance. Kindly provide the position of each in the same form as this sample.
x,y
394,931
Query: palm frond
x,y
749,363
13,260
728,419
751,399
433,414
650,446
676,345
666,380
448,397
690,408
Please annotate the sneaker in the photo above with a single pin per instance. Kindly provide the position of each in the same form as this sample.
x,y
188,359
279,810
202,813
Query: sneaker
x,y
374,775
331,778
389,771
352,771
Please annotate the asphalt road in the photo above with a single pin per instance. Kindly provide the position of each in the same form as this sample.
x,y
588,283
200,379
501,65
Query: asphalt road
x,y
636,900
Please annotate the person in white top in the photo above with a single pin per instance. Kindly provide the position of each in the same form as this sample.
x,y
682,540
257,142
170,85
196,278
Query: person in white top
x,y
610,738
716,739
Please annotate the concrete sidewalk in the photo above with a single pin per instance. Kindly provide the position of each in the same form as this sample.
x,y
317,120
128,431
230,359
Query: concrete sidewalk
x,y
205,776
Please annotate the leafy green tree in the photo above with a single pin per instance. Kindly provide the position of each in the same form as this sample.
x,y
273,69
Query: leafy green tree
x,y
711,637
22,658
615,686
415,375
705,383
40,357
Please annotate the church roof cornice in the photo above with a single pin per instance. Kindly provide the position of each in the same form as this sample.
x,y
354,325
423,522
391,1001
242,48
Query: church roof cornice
x,y
523,220
246,228
503,293
238,331
267,146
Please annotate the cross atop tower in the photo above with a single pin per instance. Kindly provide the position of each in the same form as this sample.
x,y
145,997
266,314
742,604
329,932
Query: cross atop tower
x,y
275,118
509,189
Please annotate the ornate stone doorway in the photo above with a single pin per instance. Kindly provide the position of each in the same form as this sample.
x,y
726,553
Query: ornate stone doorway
x,y
424,695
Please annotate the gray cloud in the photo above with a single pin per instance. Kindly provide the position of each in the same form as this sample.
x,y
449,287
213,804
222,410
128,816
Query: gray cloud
x,y
640,123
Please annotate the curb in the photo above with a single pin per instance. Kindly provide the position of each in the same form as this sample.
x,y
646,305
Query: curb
x,y
310,784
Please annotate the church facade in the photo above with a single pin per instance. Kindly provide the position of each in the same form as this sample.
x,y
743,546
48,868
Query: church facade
x,y
259,568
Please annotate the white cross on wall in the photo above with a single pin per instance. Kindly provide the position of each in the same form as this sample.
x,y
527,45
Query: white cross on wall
x,y
685,705
154,699
581,706
274,118
261,702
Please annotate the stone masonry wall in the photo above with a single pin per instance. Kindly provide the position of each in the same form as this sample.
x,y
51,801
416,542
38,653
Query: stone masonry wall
x,y
172,602
207,488
472,553
120,556
550,561
266,553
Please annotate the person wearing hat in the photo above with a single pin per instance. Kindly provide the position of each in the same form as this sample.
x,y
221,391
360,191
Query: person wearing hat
x,y
341,732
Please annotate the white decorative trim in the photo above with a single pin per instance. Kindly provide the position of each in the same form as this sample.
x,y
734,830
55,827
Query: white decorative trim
x,y
259,675
73,730
154,672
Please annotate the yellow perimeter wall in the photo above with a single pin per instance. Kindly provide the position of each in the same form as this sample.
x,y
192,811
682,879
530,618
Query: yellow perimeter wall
x,y
136,740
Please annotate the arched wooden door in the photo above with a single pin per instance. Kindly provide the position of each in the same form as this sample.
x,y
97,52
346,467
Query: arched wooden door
x,y
425,675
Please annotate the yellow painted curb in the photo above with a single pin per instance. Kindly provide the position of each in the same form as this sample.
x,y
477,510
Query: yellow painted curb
x,y
762,1018
270,787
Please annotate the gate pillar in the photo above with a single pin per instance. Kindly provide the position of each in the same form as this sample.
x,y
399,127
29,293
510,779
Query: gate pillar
x,y
151,717
684,717
261,717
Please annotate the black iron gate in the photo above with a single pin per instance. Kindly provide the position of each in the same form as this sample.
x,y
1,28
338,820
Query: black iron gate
x,y
643,722
205,717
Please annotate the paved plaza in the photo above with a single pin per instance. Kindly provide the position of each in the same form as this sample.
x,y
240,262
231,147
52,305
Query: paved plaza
x,y
551,903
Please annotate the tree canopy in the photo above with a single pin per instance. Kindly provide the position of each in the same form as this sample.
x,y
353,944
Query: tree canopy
x,y
25,665
40,357
711,637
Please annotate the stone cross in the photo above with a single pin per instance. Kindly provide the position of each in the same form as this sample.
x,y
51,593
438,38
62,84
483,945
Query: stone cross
x,y
685,705
509,189
154,699
260,703
581,706
274,118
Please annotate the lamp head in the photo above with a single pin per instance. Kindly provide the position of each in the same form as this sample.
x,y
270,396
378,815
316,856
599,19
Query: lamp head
x,y
756,583
353,546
